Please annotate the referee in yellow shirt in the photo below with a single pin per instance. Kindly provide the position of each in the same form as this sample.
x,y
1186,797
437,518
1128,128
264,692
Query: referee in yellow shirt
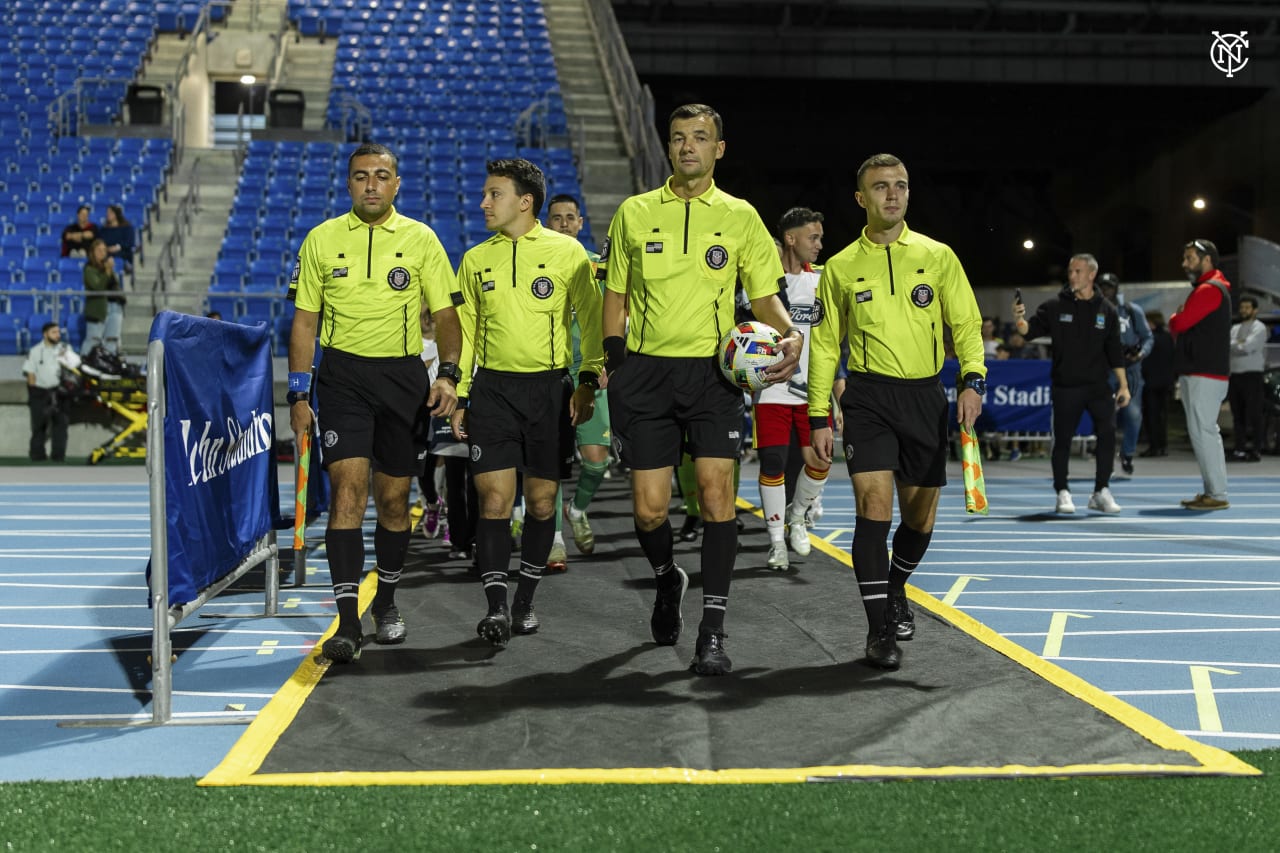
x,y
364,280
671,262
892,291
520,290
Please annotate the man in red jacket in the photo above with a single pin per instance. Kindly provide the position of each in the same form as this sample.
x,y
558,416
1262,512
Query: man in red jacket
x,y
1202,358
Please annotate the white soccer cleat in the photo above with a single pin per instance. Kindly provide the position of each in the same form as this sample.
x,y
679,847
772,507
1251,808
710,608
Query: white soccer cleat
x,y
1102,501
1065,506
778,559
798,536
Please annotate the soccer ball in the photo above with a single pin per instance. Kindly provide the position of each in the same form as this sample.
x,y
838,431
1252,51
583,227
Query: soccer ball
x,y
747,352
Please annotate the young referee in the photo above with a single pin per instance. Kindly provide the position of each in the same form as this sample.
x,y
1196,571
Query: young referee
x,y
521,288
892,291
671,262
370,274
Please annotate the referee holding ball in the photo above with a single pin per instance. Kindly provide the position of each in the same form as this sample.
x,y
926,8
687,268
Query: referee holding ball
x,y
370,274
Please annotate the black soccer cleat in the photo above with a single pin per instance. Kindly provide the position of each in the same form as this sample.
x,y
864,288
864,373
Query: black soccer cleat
x,y
523,619
882,648
667,619
391,628
709,656
342,649
689,530
901,616
496,626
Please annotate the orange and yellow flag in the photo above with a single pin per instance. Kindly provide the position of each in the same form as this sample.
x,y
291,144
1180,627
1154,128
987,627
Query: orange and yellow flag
x,y
975,487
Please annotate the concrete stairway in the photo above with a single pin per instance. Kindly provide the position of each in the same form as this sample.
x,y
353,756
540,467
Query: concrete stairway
x,y
606,172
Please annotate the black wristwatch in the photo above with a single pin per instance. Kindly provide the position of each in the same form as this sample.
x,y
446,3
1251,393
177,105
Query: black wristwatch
x,y
976,382
297,397
590,380
449,370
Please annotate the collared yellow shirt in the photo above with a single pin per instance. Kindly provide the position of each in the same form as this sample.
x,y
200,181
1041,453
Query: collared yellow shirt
x,y
369,283
519,299
677,262
892,300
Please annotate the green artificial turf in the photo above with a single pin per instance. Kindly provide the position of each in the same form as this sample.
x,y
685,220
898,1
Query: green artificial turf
x,y
1113,814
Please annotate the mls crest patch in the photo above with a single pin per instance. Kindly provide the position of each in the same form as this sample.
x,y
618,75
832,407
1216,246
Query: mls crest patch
x,y
542,287
922,296
717,257
398,278
1100,322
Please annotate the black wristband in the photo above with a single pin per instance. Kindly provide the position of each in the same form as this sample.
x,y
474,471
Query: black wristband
x,y
297,397
790,329
449,370
462,403
615,350
591,380
819,423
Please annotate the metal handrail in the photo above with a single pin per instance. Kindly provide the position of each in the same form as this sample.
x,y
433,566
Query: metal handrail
x,y
632,100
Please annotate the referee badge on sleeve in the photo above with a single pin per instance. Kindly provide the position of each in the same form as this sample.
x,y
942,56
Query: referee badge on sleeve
x,y
297,270
604,250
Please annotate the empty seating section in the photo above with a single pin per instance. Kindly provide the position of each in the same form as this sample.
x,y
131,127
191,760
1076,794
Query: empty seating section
x,y
48,49
446,83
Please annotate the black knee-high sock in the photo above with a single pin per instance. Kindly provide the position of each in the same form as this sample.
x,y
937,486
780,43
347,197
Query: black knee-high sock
x,y
909,546
719,549
658,547
389,548
345,549
871,567
493,553
534,550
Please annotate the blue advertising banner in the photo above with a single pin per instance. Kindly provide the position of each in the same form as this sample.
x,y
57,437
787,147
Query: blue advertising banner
x,y
1018,396
219,443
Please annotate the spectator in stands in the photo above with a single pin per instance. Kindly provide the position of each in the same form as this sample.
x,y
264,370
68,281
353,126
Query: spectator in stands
x,y
77,236
1086,348
48,407
371,273
214,315
592,437
513,409
989,339
1158,379
1245,391
1202,358
104,315
1135,342
119,235
1019,348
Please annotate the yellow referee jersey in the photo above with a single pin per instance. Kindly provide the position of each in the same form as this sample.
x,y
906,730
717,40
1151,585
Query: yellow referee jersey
x,y
677,261
369,283
519,297
892,301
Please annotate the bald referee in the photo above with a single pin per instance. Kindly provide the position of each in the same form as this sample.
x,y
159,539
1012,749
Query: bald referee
x,y
370,274
671,262
520,290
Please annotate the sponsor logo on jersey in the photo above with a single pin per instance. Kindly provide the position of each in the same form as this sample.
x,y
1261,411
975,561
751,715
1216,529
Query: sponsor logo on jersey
x,y
717,257
398,278
807,314
922,296
542,287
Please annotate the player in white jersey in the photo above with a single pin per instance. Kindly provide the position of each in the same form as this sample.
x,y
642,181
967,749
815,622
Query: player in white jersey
x,y
782,408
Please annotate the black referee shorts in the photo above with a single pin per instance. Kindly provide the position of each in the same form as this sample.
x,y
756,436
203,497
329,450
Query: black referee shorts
x,y
367,409
520,420
656,404
897,425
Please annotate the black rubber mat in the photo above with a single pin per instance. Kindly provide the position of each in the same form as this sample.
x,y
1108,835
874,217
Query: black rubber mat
x,y
591,689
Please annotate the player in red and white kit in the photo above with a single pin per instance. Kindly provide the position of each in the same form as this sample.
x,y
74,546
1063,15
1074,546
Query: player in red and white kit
x,y
782,408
